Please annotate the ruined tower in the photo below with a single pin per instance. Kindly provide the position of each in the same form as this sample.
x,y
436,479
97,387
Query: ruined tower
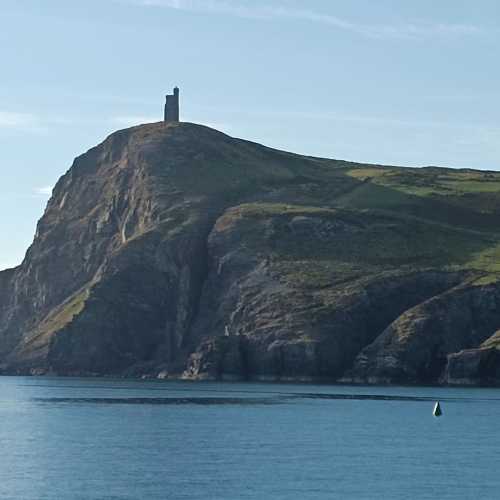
x,y
172,106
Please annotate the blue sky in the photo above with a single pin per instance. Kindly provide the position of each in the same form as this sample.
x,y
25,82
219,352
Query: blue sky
x,y
385,81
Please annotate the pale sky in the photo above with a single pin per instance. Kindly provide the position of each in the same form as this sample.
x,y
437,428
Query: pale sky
x,y
383,81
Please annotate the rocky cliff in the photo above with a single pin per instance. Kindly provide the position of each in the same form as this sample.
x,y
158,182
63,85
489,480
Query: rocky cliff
x,y
175,249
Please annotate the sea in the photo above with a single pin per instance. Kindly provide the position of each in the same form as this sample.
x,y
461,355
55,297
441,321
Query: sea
x,y
76,438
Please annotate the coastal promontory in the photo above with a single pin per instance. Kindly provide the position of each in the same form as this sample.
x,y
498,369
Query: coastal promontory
x,y
174,250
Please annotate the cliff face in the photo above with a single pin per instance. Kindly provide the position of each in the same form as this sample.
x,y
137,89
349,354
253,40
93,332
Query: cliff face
x,y
415,347
175,248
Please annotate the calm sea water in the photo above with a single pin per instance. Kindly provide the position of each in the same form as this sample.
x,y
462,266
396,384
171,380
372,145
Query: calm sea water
x,y
107,439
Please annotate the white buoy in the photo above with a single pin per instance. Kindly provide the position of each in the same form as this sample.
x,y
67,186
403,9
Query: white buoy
x,y
437,412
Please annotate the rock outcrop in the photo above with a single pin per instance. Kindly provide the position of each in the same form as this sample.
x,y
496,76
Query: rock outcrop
x,y
420,345
480,366
176,250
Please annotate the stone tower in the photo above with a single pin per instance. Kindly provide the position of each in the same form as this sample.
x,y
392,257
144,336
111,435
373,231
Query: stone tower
x,y
172,106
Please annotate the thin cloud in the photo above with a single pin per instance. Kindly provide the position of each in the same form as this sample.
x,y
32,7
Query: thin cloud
x,y
29,122
13,120
334,116
276,12
131,120
43,190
